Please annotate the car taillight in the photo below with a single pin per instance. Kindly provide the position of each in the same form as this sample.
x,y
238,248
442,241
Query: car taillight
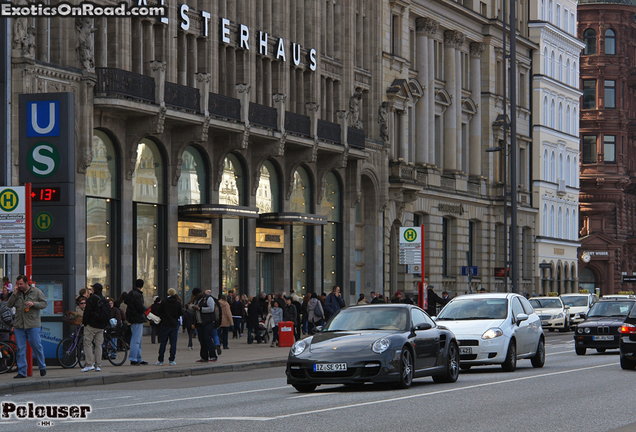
x,y
628,328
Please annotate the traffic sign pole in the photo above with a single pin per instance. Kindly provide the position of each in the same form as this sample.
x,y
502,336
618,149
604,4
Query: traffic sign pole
x,y
28,268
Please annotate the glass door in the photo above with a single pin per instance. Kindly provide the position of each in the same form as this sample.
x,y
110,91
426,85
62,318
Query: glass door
x,y
189,276
265,272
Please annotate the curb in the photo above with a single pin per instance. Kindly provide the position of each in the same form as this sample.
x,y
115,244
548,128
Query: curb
x,y
83,381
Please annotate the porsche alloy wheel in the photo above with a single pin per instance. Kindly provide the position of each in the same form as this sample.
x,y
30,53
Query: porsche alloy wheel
x,y
406,369
452,366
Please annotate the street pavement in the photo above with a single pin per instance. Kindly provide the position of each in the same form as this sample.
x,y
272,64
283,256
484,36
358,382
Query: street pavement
x,y
571,393
240,356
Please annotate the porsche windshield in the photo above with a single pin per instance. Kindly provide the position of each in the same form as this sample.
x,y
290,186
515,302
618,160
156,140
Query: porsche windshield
x,y
475,309
551,303
369,318
611,309
575,301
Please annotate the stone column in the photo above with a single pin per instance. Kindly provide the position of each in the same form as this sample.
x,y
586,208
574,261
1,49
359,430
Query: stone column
x,y
475,151
452,41
425,27
430,97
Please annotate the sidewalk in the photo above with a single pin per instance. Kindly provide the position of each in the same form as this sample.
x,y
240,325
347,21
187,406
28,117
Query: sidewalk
x,y
240,356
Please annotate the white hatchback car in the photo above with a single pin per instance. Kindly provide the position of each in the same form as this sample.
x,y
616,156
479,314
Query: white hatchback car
x,y
553,313
494,329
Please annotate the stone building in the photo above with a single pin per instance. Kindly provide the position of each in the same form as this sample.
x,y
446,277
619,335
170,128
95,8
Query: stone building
x,y
608,162
229,145
443,68
555,151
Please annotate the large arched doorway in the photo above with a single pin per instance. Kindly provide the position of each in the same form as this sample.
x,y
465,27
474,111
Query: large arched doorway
x,y
587,280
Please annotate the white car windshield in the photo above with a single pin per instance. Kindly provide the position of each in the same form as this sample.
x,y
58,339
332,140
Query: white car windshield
x,y
575,301
475,309
369,318
546,303
611,309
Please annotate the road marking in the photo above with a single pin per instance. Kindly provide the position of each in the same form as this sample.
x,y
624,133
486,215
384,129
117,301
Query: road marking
x,y
560,352
323,410
312,395
189,398
112,398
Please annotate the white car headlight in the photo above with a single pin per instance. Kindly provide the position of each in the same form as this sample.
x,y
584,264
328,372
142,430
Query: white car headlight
x,y
492,333
299,347
381,345
559,315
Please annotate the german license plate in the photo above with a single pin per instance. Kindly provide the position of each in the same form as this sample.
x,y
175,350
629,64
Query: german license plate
x,y
545,323
330,367
603,338
467,350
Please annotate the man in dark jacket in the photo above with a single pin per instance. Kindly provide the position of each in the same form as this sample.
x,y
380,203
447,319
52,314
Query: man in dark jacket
x,y
94,328
433,300
206,322
333,302
254,312
135,314
169,312
238,311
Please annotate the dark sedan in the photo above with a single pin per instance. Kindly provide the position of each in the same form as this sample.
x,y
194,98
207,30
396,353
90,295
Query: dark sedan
x,y
602,327
375,343
627,343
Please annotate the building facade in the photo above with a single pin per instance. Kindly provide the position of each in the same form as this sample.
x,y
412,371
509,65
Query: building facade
x,y
443,68
555,150
607,199
228,145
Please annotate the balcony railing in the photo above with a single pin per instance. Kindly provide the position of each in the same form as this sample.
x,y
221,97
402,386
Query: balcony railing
x,y
224,106
355,137
263,115
297,123
329,131
180,96
121,83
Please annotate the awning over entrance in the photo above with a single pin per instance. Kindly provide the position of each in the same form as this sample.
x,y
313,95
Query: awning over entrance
x,y
217,211
287,218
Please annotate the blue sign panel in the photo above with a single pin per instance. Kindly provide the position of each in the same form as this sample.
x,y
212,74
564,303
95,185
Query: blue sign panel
x,y
43,118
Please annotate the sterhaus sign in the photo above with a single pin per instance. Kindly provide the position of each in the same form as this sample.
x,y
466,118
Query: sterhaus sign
x,y
451,208
245,38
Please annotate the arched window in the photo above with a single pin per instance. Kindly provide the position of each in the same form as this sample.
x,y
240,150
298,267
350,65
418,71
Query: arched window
x,y
560,223
268,193
568,168
546,166
552,222
149,223
575,82
545,220
575,173
610,42
545,61
546,112
102,209
552,114
559,67
575,122
550,11
575,226
231,189
589,37
561,167
560,125
192,187
568,119
232,193
331,206
558,15
552,167
567,224
567,71
552,65
301,202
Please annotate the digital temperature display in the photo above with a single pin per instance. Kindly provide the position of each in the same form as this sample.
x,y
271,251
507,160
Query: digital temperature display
x,y
41,194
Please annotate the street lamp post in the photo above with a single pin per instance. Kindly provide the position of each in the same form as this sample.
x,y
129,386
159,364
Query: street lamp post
x,y
514,244
505,198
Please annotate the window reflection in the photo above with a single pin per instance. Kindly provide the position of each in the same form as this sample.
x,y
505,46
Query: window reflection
x,y
301,203
192,182
332,232
148,174
230,192
267,194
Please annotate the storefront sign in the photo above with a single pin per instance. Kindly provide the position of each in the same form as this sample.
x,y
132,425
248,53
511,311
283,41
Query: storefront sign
x,y
451,208
194,232
270,238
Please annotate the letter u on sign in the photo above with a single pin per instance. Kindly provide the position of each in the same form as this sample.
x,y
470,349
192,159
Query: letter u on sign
x,y
43,118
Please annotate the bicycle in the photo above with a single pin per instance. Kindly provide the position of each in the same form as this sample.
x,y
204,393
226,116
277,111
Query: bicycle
x,y
115,348
8,356
70,350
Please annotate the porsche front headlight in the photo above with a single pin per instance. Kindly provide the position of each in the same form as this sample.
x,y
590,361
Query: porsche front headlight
x,y
299,347
381,345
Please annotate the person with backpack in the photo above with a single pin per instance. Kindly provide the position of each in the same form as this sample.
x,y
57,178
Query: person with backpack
x,y
135,313
96,317
170,311
315,312
205,311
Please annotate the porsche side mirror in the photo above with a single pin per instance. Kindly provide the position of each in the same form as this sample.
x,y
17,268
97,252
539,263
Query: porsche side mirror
x,y
424,326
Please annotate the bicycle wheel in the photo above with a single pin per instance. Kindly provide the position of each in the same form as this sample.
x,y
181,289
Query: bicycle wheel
x,y
81,357
7,358
67,353
116,351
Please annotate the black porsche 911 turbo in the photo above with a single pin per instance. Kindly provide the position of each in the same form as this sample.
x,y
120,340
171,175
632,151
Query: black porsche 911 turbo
x,y
374,343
